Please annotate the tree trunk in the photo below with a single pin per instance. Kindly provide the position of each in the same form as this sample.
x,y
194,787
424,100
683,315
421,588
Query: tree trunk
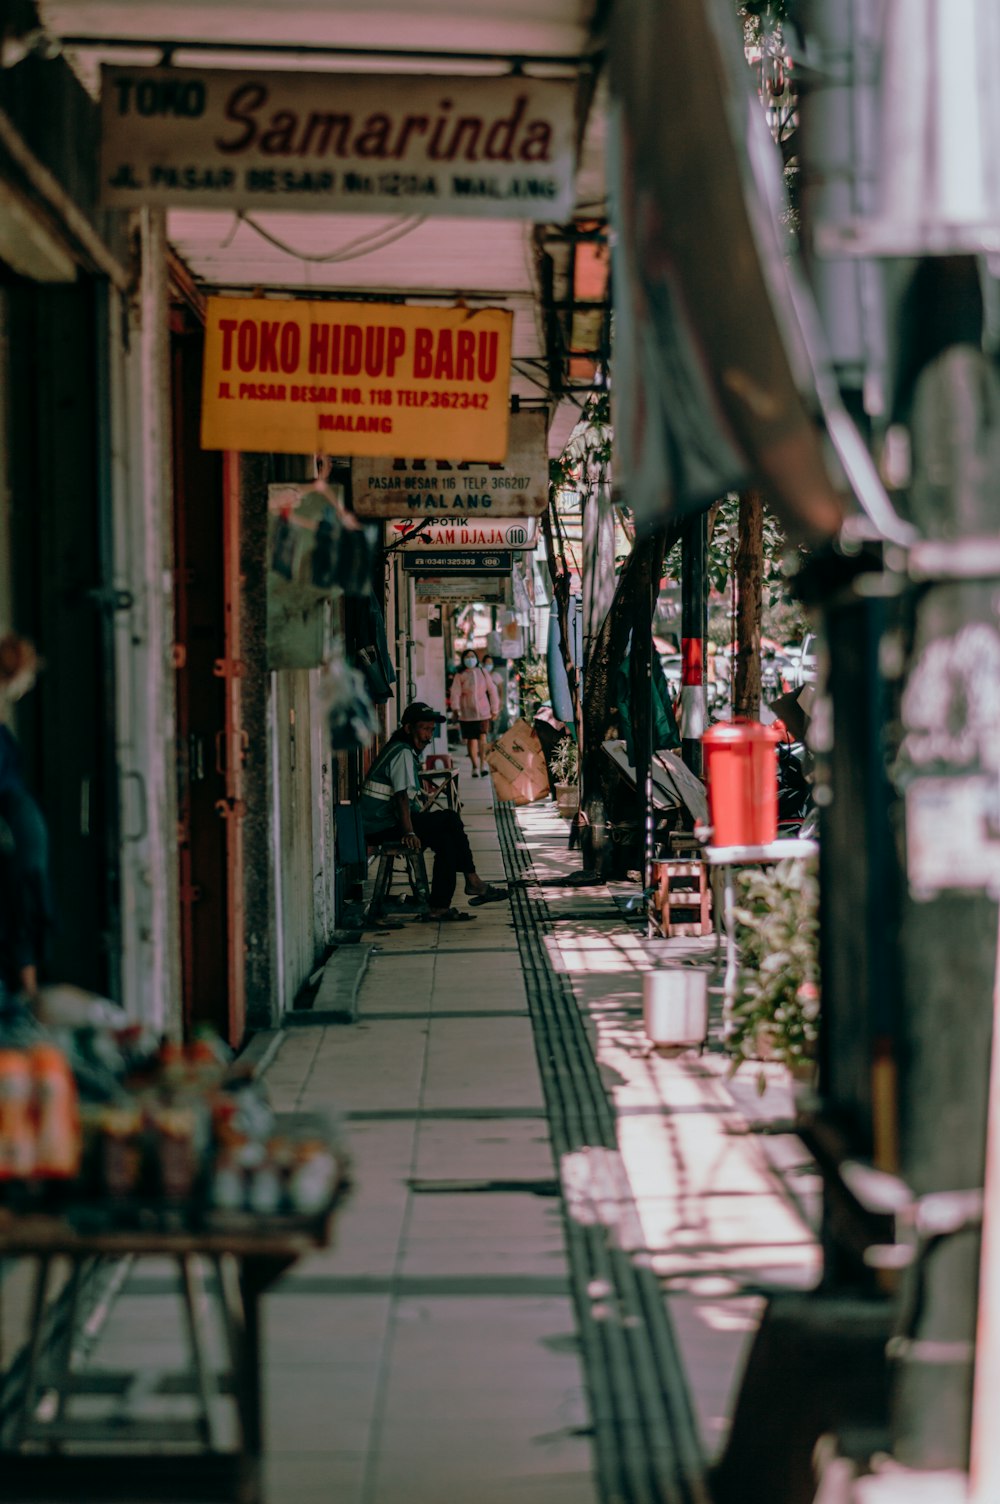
x,y
749,567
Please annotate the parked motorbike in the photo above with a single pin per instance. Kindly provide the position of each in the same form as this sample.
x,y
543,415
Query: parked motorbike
x,y
795,802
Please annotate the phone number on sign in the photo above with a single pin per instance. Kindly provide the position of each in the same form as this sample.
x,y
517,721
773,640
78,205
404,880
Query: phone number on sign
x,y
408,398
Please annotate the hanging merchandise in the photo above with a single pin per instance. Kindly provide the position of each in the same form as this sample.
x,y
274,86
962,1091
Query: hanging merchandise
x,y
343,695
559,690
511,641
317,545
315,548
666,735
373,657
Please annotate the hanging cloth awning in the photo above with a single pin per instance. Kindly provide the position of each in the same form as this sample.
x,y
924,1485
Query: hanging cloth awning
x,y
721,376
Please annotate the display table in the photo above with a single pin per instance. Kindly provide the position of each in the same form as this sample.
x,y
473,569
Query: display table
x,y
728,858
245,1258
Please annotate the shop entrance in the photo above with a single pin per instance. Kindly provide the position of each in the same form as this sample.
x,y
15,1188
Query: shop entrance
x,y
209,808
63,599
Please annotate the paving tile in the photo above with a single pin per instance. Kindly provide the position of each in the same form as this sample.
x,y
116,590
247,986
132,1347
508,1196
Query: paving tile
x,y
310,1477
483,1234
368,1066
319,1414
714,1337
499,1150
497,1000
380,1149
493,973
530,1341
305,1326
481,1062
367,1243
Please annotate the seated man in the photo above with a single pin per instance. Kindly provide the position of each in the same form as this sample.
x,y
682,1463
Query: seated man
x,y
391,809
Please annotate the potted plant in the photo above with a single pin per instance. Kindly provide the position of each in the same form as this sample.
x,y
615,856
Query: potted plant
x,y
564,766
776,1016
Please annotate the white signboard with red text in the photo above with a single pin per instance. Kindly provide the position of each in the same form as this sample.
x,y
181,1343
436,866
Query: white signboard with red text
x,y
516,486
463,533
497,148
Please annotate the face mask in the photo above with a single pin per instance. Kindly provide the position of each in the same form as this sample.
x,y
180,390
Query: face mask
x,y
487,663
471,662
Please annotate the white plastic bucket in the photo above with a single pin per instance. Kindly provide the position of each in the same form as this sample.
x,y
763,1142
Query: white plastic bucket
x,y
675,1007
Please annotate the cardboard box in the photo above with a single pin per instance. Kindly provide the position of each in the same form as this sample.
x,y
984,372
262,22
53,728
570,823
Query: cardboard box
x,y
517,766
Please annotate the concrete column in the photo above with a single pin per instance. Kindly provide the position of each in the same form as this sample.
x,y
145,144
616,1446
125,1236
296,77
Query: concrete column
x,y
143,547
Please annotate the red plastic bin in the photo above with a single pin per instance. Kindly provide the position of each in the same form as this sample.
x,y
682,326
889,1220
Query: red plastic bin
x,y
741,766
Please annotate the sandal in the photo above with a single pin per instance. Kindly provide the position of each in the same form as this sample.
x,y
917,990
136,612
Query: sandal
x,y
450,916
488,895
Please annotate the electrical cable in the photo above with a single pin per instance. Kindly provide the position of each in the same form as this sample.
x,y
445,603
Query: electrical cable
x,y
352,250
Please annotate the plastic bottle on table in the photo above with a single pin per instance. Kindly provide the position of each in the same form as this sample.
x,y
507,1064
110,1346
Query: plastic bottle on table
x,y
57,1117
17,1136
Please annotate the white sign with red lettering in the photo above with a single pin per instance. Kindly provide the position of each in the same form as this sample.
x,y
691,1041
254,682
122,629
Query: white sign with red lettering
x,y
463,533
496,148
516,486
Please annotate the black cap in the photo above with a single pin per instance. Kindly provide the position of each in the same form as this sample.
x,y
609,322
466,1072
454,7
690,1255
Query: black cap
x,y
419,711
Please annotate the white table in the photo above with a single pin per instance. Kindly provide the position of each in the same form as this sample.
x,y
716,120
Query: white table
x,y
728,858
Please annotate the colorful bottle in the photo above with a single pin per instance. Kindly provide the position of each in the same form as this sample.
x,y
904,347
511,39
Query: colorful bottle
x,y
17,1133
57,1116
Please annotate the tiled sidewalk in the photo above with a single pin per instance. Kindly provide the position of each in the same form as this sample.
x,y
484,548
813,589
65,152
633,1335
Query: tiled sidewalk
x,y
432,1356
448,1370
723,1213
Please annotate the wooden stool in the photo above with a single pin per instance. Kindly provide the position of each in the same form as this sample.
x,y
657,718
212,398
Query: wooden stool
x,y
682,900
416,871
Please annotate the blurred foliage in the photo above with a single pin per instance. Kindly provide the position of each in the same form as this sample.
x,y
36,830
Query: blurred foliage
x,y
782,617
534,683
776,1016
761,15
589,446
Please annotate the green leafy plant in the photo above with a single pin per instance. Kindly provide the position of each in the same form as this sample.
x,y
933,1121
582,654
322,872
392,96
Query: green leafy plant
x,y
565,761
776,1016
534,679
782,618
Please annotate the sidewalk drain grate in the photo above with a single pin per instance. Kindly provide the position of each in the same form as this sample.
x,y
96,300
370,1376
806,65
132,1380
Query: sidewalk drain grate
x,y
645,1436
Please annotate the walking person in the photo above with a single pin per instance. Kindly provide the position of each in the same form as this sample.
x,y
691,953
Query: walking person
x,y
499,677
475,701
392,810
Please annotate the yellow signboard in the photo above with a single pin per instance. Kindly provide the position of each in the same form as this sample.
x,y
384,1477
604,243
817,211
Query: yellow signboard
x,y
288,376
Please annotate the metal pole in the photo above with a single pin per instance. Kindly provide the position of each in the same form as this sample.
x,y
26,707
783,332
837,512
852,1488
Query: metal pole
x,y
947,955
858,865
694,630
908,983
641,686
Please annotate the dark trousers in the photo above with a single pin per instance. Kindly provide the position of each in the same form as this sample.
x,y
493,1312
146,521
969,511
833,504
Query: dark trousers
x,y
440,831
